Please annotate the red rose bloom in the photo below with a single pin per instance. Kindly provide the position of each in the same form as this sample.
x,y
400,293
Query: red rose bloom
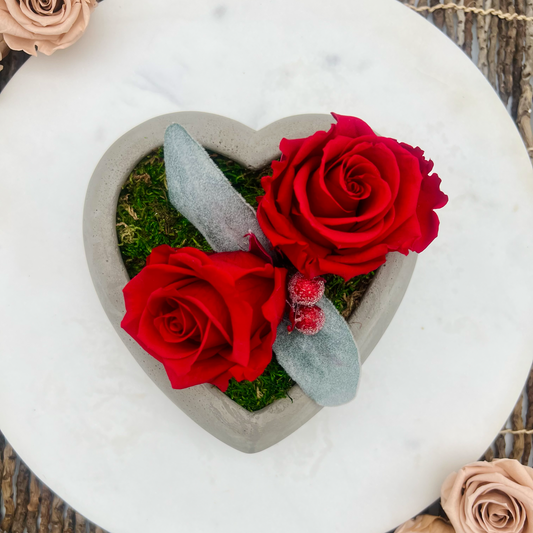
x,y
339,201
206,317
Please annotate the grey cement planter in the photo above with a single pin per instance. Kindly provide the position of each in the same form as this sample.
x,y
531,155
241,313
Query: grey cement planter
x,y
205,404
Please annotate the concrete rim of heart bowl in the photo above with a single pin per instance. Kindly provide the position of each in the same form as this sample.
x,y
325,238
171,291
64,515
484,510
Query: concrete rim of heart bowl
x,y
206,404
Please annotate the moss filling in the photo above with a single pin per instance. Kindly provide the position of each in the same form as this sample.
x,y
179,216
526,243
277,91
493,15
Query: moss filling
x,y
146,219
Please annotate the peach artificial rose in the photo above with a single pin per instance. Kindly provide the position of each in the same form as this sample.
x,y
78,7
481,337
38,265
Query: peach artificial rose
x,y
425,523
490,497
44,25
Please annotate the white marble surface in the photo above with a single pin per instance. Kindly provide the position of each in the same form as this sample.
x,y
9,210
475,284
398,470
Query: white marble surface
x,y
439,385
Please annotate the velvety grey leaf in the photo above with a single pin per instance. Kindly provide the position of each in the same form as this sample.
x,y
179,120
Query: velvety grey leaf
x,y
326,365
201,193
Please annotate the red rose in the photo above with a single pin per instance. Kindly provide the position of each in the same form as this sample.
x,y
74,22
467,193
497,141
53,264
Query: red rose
x,y
339,201
206,317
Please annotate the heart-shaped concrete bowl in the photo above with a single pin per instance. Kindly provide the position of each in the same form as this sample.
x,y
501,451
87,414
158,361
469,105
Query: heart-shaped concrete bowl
x,y
205,404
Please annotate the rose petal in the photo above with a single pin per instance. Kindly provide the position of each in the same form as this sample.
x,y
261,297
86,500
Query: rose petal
x,y
351,126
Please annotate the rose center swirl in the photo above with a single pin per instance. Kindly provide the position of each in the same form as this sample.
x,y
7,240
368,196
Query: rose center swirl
x,y
495,514
356,186
45,7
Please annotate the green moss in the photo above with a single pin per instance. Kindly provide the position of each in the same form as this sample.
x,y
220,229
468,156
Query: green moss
x,y
273,384
246,182
347,295
146,219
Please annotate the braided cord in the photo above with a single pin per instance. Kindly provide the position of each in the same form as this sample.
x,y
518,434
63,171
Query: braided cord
x,y
476,10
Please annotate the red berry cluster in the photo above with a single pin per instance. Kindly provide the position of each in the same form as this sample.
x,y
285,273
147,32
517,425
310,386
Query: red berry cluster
x,y
304,294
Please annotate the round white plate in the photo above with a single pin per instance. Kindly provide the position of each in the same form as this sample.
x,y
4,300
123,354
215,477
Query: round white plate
x,y
439,385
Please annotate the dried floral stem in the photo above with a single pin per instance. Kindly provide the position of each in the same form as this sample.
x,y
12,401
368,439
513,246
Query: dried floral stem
x,y
518,59
23,498
529,420
438,14
500,447
33,505
461,19
2,447
10,461
469,35
46,509
489,455
502,33
58,507
493,47
448,19
518,425
526,95
69,521
422,4
81,524
509,54
482,40
488,5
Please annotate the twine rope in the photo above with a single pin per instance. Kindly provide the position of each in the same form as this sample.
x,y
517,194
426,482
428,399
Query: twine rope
x,y
476,10
517,431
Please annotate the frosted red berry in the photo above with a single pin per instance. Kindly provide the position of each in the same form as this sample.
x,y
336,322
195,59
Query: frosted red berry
x,y
305,291
309,320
